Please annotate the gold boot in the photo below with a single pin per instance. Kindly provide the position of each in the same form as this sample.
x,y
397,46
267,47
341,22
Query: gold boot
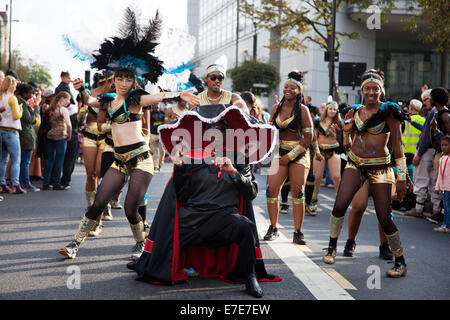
x,y
139,237
399,269
85,226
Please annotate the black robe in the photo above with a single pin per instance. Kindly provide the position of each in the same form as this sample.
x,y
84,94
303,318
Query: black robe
x,y
161,261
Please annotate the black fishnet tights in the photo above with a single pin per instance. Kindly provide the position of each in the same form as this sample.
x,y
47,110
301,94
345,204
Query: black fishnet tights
x,y
381,193
112,183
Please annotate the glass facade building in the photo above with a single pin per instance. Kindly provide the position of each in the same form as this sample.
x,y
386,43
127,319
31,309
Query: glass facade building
x,y
218,23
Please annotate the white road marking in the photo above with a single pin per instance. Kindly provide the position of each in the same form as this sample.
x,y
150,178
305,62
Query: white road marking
x,y
316,280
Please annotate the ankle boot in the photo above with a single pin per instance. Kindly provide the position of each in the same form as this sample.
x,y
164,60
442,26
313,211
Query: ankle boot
x,y
385,252
349,248
252,286
85,226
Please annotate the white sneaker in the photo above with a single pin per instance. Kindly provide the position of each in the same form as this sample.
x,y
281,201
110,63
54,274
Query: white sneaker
x,y
442,229
137,250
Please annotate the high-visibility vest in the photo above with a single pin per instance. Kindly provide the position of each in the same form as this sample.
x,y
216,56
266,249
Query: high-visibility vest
x,y
411,135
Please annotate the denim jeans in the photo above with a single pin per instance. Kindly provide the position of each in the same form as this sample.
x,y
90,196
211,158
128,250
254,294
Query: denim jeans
x,y
25,160
328,179
56,151
446,200
10,147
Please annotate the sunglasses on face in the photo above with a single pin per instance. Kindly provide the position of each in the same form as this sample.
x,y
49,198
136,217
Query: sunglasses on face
x,y
214,78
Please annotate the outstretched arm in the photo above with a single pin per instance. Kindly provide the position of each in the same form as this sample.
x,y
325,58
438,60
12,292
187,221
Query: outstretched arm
x,y
86,98
188,96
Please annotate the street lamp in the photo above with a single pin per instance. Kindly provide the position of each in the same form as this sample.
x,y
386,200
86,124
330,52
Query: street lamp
x,y
10,30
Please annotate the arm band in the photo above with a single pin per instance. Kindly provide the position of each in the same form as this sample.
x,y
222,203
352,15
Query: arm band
x,y
308,130
294,153
402,169
171,96
347,141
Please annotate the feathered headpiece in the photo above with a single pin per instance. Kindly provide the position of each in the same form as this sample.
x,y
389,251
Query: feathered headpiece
x,y
133,49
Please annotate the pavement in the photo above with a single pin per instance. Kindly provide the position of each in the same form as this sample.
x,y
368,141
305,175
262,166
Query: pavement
x,y
34,226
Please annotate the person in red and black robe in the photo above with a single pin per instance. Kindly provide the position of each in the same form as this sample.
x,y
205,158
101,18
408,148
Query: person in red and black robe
x,y
205,220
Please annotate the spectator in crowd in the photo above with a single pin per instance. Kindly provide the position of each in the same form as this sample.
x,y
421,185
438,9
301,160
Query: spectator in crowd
x,y
27,134
2,76
72,145
59,132
35,102
411,133
9,130
254,106
440,127
12,73
72,148
443,184
157,116
424,175
64,86
308,101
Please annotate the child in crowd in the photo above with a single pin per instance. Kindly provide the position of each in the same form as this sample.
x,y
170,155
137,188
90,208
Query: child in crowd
x,y
443,184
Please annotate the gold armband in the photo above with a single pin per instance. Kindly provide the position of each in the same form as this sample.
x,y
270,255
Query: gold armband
x,y
347,142
402,169
308,130
294,153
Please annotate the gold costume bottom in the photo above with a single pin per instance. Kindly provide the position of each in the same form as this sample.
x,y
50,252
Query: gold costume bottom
x,y
136,156
329,151
376,170
304,159
92,137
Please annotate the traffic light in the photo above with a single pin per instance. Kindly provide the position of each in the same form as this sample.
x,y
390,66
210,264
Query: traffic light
x,y
87,79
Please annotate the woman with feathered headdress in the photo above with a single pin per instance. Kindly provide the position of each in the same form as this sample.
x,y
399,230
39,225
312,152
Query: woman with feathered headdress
x,y
130,56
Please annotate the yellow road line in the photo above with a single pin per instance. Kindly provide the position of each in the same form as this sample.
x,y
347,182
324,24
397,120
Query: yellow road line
x,y
344,283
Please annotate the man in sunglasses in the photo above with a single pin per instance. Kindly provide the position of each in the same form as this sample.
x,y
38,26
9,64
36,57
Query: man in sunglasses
x,y
215,76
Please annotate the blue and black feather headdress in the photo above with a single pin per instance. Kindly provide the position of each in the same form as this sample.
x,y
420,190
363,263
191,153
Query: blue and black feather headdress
x,y
133,49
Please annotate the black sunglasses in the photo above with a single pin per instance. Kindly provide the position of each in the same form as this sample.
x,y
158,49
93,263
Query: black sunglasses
x,y
214,77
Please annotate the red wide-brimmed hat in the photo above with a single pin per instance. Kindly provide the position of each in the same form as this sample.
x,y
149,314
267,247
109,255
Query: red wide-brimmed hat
x,y
242,134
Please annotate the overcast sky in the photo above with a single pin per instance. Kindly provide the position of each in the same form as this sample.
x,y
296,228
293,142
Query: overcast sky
x,y
42,23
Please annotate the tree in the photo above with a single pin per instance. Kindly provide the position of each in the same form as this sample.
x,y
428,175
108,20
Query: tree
x,y
28,69
39,74
437,32
312,21
252,72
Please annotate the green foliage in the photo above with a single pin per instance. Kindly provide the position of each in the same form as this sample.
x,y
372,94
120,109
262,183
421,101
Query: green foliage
x,y
28,69
293,24
251,72
436,12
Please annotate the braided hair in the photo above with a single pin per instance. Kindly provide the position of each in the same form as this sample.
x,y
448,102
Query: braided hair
x,y
296,75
